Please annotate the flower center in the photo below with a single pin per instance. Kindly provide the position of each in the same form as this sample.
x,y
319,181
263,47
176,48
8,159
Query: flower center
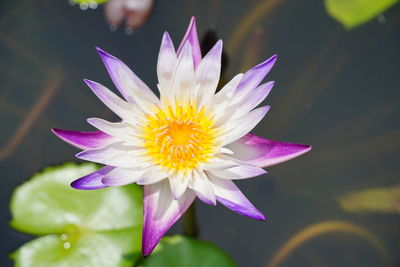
x,y
180,138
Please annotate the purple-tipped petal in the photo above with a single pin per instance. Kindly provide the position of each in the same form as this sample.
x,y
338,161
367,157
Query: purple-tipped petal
x,y
161,211
201,184
239,172
131,87
166,63
122,176
263,152
92,181
247,122
208,72
124,110
83,140
253,77
229,195
118,154
192,37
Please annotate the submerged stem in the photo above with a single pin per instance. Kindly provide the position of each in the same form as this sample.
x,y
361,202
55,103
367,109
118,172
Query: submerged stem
x,y
190,222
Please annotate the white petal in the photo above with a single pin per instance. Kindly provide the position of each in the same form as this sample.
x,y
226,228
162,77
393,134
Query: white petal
x,y
203,187
161,211
153,175
124,110
243,171
222,99
183,80
117,154
237,128
122,176
208,73
178,183
120,130
133,89
231,197
165,65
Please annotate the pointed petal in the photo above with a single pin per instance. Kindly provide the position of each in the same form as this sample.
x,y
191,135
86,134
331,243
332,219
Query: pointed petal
x,y
83,140
161,211
178,183
131,87
153,175
239,172
124,110
183,80
121,130
203,188
166,64
251,101
237,128
191,36
231,197
116,154
263,152
93,180
208,72
122,176
222,99
253,77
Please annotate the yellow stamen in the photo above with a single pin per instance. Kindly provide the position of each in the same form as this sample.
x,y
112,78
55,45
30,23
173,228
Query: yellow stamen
x,y
180,138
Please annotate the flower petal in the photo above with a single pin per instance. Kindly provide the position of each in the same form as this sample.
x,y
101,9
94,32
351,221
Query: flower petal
x,y
116,154
251,101
120,130
83,140
124,110
191,36
231,197
161,211
166,64
131,87
203,188
153,175
183,79
208,73
263,152
239,172
222,99
253,77
122,176
93,180
246,123
178,183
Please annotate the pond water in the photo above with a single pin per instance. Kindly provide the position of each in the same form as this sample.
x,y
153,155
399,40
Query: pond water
x,y
335,89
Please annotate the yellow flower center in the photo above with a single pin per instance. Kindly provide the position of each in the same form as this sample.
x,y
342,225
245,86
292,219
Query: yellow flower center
x,y
180,138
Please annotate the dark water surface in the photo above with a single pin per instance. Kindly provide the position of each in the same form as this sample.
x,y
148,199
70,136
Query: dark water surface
x,y
337,90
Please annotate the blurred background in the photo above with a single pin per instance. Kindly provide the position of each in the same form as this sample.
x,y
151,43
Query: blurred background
x,y
336,89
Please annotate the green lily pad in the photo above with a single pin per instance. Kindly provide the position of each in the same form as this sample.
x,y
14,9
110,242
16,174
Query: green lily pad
x,y
83,228
89,249
352,13
182,251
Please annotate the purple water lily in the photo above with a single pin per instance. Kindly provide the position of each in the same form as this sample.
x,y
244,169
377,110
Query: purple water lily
x,y
190,141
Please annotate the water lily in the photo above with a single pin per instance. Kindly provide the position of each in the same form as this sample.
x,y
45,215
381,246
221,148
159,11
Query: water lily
x,y
190,141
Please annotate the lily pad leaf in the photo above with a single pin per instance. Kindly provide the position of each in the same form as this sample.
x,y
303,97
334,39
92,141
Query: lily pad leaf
x,y
179,251
352,13
83,250
82,228
46,204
